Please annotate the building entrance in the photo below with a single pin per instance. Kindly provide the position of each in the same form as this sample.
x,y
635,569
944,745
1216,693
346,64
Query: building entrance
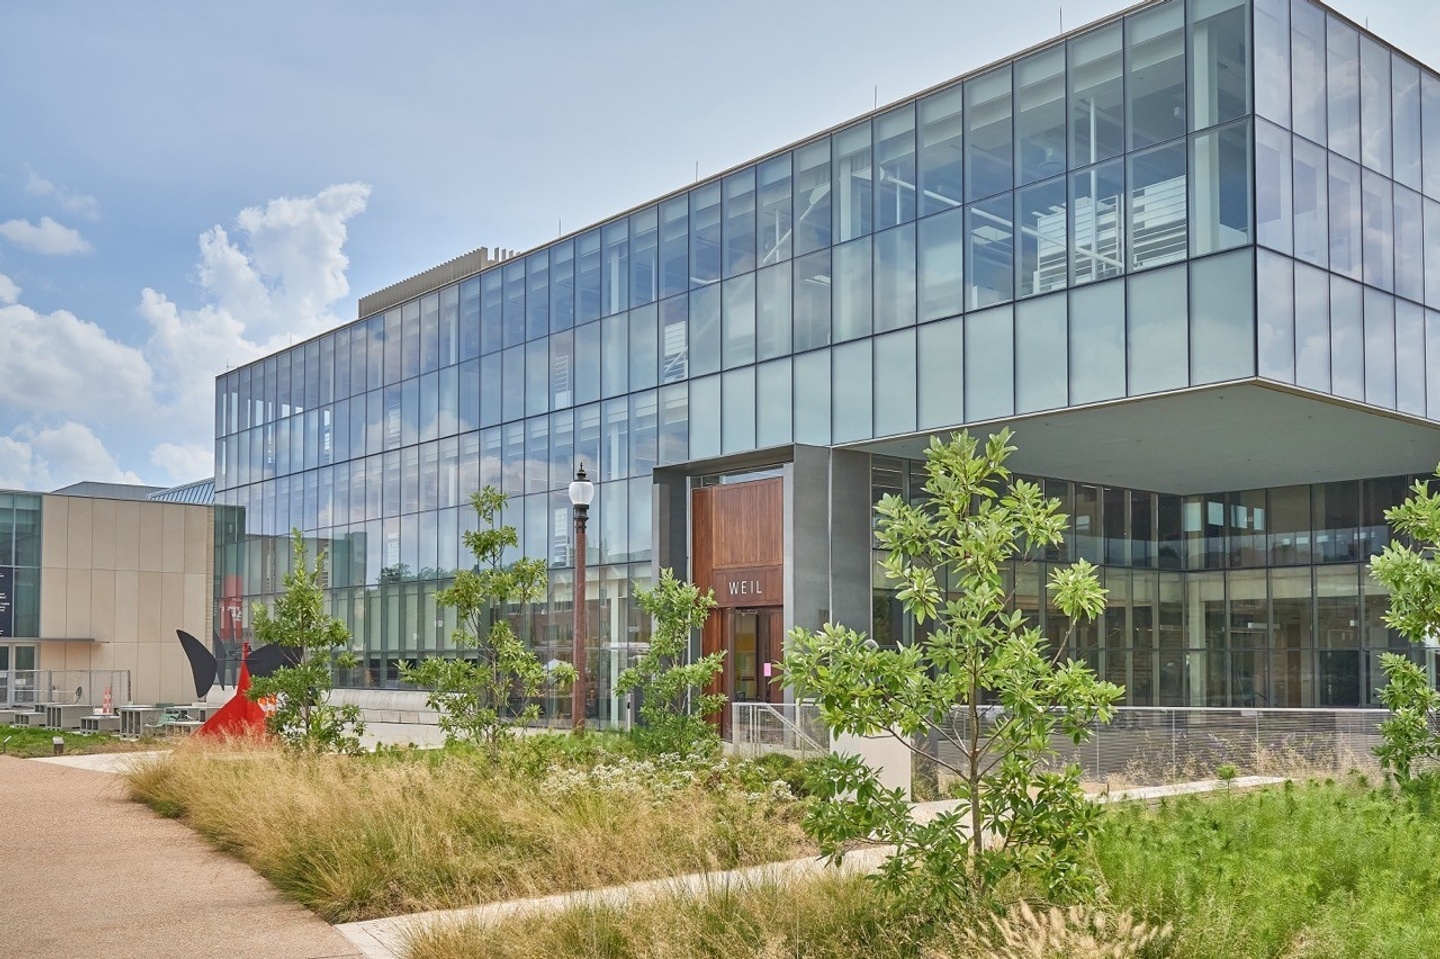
x,y
756,640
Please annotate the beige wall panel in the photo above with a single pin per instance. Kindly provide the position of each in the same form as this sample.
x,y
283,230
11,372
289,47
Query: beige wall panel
x,y
146,675
102,605
127,535
172,604
199,538
54,587
152,537
102,534
149,620
54,530
126,658
197,606
127,606
80,551
78,614
172,556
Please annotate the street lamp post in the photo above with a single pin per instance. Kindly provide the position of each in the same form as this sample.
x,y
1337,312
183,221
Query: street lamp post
x,y
582,491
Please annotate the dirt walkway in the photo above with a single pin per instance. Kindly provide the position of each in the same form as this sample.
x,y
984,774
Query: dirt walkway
x,y
88,873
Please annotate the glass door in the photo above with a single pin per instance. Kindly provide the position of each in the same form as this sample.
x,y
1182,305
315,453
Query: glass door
x,y
4,675
756,645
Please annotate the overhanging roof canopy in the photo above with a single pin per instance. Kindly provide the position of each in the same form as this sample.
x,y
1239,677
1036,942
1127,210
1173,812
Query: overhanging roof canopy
x,y
1211,439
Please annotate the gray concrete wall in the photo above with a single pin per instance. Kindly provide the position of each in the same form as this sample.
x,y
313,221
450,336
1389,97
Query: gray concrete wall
x,y
850,598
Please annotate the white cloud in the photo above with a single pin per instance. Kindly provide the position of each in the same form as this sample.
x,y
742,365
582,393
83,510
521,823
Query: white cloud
x,y
56,364
49,459
194,460
47,236
274,283
77,203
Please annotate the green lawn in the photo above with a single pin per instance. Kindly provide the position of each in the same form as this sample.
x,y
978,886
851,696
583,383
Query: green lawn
x,y
30,741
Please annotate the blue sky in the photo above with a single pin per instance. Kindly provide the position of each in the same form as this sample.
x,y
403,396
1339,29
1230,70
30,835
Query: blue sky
x,y
184,187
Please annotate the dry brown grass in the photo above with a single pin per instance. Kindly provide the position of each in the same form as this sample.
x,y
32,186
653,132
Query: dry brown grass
x,y
832,916
363,837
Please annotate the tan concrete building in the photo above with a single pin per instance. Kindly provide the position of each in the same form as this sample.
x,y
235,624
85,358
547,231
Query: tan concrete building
x,y
116,573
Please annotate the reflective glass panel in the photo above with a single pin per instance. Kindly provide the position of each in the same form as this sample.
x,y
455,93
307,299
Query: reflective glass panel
x,y
644,257
775,227
940,253
990,252
812,398
537,294
1409,358
740,222
1040,354
1379,348
705,253
1312,328
1272,60
1158,331
705,330
851,286
1219,61
674,339
644,347
1342,59
1345,221
812,300
1430,127
812,196
1311,203
1375,112
1275,332
1220,189
1347,343
895,383
853,183
587,277
737,426
988,151
562,286
1155,72
941,157
1405,102
1097,222
1043,260
894,278
674,246
1097,107
1157,206
738,318
1040,115
1379,230
772,320
940,365
1222,318
1097,343
1307,70
895,167
705,417
1274,213
851,385
772,402
990,364
615,361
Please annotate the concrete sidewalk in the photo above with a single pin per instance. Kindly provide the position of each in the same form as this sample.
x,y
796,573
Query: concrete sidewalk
x,y
89,873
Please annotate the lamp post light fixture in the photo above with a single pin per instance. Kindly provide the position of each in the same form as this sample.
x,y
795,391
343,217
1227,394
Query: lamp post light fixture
x,y
582,491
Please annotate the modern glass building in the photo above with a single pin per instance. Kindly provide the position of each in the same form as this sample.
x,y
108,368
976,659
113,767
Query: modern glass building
x,y
1191,254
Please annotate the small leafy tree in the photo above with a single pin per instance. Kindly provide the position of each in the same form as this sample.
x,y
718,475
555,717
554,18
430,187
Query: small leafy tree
x,y
982,681
1412,575
473,695
304,717
673,708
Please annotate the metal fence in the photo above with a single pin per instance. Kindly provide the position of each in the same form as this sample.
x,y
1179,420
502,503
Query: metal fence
x,y
1141,746
84,687
793,728
1151,745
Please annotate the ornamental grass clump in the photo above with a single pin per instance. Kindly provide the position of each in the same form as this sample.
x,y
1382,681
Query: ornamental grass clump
x,y
363,837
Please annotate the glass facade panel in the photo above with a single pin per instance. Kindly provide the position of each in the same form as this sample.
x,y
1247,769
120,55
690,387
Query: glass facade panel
x,y
705,250
1308,70
1041,354
1040,213
1097,343
1219,61
773,304
738,321
1158,331
1220,172
1274,211
1409,244
895,378
1378,230
940,254
895,184
738,418
1155,105
1040,115
1222,318
812,398
812,196
1342,68
1375,109
1347,344
1430,134
940,356
1312,328
1409,358
1379,349
1272,60
1405,106
1275,327
1097,225
851,283
740,222
775,228
1312,203
990,364
1345,218
988,137
812,301
942,160
990,253
894,278
853,183
773,403
1097,95
1157,231
852,383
